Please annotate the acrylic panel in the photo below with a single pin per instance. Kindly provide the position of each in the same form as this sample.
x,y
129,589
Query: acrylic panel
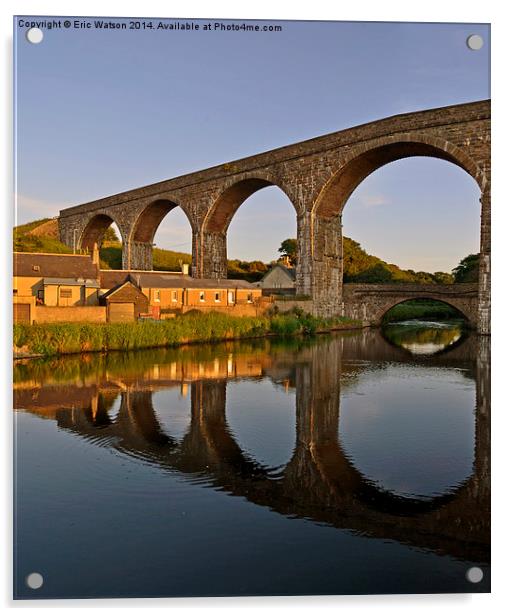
x,y
251,305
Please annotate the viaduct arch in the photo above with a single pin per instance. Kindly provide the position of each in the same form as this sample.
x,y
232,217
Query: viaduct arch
x,y
318,176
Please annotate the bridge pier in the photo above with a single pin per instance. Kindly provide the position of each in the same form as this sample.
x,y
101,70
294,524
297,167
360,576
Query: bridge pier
x,y
137,255
327,265
210,257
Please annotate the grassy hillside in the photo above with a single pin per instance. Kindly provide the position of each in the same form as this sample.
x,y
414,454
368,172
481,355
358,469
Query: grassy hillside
x,y
30,226
25,241
163,260
169,260
28,238
359,266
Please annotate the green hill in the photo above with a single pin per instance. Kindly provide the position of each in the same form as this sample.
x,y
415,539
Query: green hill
x,y
359,266
27,239
38,236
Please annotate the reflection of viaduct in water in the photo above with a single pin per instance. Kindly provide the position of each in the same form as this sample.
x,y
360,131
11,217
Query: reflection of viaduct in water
x,y
319,482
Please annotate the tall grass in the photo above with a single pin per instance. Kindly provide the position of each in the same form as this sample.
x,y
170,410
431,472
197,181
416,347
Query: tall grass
x,y
56,339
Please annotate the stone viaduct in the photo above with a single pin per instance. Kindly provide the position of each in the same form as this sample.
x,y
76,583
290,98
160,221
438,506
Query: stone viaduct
x,y
318,176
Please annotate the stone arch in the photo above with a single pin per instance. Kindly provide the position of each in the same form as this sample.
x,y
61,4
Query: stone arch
x,y
463,306
361,161
150,217
212,254
366,158
230,198
139,252
94,230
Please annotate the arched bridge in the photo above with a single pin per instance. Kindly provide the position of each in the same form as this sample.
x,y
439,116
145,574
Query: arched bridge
x,y
370,302
317,175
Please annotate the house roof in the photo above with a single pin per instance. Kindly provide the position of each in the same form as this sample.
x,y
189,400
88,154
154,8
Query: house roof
x,y
216,283
47,265
162,280
73,282
112,278
289,271
114,290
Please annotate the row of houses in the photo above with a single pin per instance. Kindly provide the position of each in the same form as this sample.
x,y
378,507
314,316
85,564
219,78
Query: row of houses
x,y
62,287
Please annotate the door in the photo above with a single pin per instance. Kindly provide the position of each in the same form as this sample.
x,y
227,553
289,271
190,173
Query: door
x,y
21,313
121,312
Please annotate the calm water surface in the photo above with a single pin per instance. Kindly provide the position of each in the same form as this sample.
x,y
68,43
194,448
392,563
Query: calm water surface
x,y
354,463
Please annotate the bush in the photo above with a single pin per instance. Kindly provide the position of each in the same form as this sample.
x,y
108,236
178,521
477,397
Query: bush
x,y
20,335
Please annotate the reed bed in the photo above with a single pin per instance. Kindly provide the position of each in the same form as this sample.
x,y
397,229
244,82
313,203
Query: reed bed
x,y
62,338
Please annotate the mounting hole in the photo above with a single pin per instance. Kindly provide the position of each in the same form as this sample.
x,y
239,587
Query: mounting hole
x,y
34,580
475,42
34,35
474,575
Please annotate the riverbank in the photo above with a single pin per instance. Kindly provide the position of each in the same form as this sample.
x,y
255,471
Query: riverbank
x,y
47,340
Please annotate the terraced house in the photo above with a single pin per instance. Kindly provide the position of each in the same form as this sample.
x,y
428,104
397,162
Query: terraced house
x,y
64,288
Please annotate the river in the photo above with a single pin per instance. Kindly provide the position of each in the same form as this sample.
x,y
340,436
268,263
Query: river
x,y
339,464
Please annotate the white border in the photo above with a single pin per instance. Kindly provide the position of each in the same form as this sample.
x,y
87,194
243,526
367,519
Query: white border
x,y
391,10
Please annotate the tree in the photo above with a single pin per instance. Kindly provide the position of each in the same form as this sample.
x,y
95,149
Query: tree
x,y
257,267
110,236
288,249
467,269
376,273
443,278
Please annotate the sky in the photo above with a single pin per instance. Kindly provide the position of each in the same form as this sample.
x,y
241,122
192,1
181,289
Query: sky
x,y
103,111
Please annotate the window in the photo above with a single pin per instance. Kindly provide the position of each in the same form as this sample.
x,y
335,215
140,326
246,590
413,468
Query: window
x,y
201,296
249,298
15,291
231,297
157,295
36,268
175,296
217,296
66,293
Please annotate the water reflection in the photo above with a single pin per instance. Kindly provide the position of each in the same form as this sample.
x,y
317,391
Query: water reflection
x,y
345,442
425,337
418,444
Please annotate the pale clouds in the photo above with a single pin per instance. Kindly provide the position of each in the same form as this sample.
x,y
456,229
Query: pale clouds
x,y
29,208
174,234
373,200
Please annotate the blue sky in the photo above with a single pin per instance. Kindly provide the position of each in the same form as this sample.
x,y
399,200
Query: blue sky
x,y
101,111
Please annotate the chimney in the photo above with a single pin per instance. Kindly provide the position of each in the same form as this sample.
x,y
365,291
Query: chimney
x,y
96,254
184,269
